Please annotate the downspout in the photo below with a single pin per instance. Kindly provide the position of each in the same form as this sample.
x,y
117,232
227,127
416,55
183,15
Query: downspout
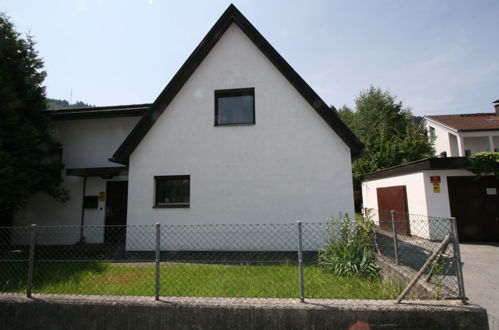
x,y
82,238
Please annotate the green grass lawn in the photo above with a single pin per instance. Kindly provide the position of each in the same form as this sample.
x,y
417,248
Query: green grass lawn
x,y
185,279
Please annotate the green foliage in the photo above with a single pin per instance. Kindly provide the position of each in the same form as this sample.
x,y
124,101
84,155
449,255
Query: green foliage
x,y
484,163
387,129
187,279
53,104
351,250
29,157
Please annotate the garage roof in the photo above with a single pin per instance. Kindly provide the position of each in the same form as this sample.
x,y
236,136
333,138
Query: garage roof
x,y
446,163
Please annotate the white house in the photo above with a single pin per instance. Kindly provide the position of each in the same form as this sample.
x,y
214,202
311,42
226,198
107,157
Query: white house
x,y
237,136
466,134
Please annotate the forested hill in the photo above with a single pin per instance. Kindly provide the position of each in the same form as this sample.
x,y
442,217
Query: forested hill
x,y
61,104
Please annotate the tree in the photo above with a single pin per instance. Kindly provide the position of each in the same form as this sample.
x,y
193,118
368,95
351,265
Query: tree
x,y
54,104
30,159
388,131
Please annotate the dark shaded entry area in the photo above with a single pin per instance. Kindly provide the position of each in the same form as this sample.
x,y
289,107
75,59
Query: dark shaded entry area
x,y
475,204
116,210
393,198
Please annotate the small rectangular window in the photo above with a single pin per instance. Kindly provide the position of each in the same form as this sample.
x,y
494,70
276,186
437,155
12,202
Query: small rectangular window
x,y
172,191
432,132
235,107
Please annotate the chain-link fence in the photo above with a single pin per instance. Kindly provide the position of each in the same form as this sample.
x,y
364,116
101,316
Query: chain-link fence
x,y
330,259
407,241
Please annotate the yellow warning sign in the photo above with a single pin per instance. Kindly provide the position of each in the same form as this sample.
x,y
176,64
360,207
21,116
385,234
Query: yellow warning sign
x,y
102,196
436,187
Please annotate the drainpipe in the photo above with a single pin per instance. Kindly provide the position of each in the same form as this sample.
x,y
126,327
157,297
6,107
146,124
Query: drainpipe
x,y
82,238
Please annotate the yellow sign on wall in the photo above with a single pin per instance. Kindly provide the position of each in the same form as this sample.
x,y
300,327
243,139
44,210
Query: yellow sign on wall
x,y
436,187
102,196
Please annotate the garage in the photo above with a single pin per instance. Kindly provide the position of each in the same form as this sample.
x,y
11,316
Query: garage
x,y
475,204
436,187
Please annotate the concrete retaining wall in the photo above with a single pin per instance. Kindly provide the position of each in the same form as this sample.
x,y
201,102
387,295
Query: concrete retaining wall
x,y
402,275
91,312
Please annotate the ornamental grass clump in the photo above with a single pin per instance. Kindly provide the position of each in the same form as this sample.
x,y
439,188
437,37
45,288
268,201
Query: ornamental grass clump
x,y
351,247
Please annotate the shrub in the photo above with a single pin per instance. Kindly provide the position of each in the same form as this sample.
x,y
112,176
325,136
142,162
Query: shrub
x,y
484,163
351,247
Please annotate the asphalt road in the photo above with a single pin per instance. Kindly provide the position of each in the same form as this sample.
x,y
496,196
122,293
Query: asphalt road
x,y
481,277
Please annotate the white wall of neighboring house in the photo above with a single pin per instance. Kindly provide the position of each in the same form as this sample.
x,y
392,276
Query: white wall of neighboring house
x,y
480,141
476,144
85,143
289,166
448,139
443,142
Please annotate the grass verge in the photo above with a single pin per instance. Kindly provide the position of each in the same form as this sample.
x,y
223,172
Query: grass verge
x,y
186,279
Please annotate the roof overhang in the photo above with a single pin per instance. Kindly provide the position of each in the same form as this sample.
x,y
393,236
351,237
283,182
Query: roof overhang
x,y
445,163
103,172
431,120
230,16
134,110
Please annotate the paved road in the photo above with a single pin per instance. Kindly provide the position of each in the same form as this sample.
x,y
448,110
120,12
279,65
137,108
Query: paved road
x,y
481,277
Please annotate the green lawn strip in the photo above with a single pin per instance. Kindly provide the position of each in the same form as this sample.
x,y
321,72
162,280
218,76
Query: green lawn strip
x,y
203,280
278,281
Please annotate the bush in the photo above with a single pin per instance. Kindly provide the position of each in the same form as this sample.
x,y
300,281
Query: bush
x,y
351,249
484,163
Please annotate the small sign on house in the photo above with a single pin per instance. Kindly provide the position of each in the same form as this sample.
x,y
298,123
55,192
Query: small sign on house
x,y
435,179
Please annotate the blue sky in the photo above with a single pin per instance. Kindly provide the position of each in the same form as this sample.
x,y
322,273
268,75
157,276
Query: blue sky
x,y
438,57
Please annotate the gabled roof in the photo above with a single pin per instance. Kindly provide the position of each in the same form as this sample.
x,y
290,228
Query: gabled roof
x,y
469,122
129,110
232,15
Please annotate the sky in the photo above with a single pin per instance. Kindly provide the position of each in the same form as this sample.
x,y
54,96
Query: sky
x,y
437,57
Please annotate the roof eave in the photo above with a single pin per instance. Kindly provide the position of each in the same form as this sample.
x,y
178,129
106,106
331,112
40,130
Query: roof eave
x,y
232,15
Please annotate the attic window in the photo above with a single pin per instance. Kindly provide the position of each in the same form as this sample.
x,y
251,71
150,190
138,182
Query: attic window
x,y
235,107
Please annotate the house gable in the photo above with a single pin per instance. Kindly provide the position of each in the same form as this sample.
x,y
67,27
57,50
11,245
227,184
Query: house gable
x,y
287,164
230,16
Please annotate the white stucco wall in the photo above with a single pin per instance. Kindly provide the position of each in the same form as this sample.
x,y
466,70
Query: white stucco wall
x,y
476,144
424,205
474,141
442,142
416,202
290,165
85,143
438,203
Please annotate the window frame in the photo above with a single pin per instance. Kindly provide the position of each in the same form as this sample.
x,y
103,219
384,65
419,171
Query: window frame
x,y
432,132
232,93
170,205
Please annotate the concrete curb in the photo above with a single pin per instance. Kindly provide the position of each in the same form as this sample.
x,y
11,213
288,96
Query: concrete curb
x,y
97,312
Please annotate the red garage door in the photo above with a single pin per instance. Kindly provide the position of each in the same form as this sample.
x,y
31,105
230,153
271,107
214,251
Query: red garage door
x,y
393,198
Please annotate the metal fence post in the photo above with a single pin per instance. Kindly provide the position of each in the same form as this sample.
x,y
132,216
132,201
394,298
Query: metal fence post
x,y
457,256
31,260
300,262
156,275
395,240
